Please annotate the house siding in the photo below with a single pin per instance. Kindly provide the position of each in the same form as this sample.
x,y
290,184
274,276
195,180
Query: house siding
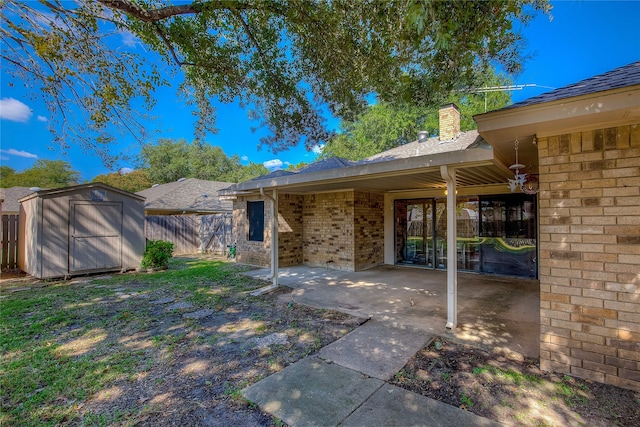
x,y
590,254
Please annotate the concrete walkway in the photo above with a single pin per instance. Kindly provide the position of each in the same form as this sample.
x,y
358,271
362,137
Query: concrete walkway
x,y
345,384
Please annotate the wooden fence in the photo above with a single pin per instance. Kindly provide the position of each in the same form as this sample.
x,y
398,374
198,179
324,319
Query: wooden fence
x,y
9,254
191,233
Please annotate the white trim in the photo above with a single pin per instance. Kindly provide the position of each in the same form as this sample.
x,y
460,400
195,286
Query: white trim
x,y
449,175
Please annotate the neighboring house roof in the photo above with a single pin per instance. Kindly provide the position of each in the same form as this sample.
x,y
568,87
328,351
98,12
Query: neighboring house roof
x,y
189,195
627,75
12,196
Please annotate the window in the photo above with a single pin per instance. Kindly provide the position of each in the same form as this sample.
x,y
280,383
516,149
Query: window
x,y
255,214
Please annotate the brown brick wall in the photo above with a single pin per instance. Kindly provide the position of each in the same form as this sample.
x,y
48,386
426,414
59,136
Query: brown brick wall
x,y
368,228
590,254
328,230
290,230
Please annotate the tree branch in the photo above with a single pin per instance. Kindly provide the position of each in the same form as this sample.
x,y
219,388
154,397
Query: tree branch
x,y
156,15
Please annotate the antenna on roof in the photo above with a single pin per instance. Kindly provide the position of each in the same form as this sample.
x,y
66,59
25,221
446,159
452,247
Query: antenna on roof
x,y
508,88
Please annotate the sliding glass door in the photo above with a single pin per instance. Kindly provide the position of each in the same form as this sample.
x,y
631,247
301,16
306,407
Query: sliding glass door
x,y
495,234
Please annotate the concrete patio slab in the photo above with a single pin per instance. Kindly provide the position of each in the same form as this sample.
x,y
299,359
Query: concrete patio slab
x,y
493,312
391,406
376,349
312,392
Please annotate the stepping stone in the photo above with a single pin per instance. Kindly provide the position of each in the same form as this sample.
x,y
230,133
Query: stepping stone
x,y
200,314
180,305
312,392
376,349
163,301
277,338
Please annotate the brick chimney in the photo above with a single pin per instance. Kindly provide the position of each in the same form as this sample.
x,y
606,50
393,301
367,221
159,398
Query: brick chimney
x,y
449,122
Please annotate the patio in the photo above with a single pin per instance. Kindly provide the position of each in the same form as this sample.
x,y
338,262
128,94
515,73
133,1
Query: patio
x,y
493,312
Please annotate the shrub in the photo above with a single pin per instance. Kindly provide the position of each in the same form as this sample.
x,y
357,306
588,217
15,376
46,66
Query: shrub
x,y
157,254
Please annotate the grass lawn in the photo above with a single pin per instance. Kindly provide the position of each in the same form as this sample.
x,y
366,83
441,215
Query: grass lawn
x,y
172,347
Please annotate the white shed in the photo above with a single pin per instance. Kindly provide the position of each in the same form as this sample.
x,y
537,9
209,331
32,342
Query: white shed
x,y
87,228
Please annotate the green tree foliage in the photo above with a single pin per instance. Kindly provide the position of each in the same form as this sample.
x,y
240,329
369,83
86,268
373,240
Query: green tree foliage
x,y
132,182
170,160
6,173
384,125
283,60
43,174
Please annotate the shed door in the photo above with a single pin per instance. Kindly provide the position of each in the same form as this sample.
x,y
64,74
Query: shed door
x,y
96,236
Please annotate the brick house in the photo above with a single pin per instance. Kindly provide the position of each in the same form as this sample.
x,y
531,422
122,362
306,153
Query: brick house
x,y
588,137
579,235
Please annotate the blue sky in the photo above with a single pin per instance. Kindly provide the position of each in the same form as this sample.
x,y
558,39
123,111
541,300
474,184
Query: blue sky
x,y
583,39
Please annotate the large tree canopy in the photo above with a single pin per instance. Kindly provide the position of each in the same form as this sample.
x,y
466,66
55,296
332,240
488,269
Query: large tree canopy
x,y
44,174
284,60
132,182
170,160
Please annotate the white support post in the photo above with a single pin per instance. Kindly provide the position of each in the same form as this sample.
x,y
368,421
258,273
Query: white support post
x,y
449,175
274,239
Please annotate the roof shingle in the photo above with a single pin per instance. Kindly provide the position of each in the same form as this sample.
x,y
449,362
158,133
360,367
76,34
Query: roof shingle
x,y
188,195
627,75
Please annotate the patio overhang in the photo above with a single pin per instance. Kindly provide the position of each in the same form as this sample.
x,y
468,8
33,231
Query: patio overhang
x,y
474,167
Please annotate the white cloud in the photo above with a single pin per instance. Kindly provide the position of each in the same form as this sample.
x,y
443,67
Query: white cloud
x,y
42,119
244,158
14,152
125,171
4,158
129,39
274,164
317,148
14,110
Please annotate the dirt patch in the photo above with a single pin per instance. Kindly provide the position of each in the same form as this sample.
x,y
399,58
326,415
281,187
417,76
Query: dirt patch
x,y
198,367
512,390
171,348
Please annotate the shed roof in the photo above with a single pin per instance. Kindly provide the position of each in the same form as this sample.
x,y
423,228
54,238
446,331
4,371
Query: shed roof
x,y
187,195
63,190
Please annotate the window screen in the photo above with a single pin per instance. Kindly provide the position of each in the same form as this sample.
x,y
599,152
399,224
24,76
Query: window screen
x,y
255,213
